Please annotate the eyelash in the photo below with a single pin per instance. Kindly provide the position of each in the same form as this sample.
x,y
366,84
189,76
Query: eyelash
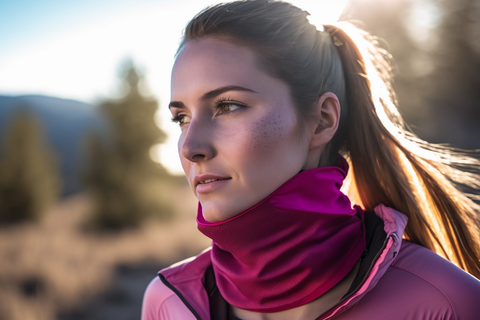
x,y
217,106
225,102
177,119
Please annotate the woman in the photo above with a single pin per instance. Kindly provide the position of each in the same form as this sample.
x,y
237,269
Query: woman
x,y
267,105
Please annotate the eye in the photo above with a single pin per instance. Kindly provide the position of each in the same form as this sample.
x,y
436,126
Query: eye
x,y
224,106
181,119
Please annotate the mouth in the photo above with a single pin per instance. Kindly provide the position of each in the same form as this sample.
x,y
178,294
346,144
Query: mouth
x,y
209,182
212,180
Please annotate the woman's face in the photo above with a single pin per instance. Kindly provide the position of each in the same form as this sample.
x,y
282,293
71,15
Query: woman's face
x,y
241,138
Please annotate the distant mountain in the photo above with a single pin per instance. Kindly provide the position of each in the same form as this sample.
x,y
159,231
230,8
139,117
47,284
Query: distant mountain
x,y
65,123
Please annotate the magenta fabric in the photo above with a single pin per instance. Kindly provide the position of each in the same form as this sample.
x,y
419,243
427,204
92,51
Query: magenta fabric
x,y
292,247
407,281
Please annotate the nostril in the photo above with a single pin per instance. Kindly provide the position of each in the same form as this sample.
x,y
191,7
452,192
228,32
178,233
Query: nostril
x,y
198,156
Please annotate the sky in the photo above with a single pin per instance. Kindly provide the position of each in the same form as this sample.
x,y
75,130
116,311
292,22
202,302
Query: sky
x,y
73,49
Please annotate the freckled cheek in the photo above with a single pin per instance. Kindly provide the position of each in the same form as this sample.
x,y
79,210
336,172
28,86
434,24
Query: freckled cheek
x,y
268,132
259,142
249,142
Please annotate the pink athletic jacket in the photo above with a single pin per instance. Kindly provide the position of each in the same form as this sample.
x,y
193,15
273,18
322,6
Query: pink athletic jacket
x,y
402,281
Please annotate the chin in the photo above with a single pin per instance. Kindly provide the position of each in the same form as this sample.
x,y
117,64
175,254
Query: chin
x,y
217,213
212,213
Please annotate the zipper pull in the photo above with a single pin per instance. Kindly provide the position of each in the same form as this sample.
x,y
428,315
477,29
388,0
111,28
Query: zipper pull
x,y
394,237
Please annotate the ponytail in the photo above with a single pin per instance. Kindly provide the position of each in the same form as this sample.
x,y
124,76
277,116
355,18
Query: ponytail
x,y
390,165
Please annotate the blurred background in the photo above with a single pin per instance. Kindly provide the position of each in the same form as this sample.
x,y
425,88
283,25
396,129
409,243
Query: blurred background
x,y
92,196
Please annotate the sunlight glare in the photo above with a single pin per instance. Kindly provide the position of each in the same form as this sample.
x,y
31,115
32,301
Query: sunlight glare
x,y
322,11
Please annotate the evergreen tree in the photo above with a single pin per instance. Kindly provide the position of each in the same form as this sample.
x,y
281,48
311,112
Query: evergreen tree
x,y
29,180
121,177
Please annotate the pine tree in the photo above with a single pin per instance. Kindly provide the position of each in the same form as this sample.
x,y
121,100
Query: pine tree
x,y
29,180
120,176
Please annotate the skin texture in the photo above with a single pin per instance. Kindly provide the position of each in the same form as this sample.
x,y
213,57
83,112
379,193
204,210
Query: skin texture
x,y
255,140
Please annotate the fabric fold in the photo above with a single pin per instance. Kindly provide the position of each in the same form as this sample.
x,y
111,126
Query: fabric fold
x,y
290,248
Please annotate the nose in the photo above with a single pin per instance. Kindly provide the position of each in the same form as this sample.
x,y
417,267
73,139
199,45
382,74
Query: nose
x,y
196,144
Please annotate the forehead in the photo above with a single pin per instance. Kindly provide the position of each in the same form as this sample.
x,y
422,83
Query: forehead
x,y
205,64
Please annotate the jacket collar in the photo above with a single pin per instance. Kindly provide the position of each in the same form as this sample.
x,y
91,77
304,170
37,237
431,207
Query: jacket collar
x,y
394,224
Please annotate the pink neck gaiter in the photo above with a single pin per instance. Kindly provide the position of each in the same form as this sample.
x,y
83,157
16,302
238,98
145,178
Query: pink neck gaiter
x,y
290,248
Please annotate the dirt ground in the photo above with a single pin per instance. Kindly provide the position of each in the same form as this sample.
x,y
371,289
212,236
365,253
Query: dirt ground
x,y
53,270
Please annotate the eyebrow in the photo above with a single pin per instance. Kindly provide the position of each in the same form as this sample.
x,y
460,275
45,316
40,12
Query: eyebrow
x,y
211,94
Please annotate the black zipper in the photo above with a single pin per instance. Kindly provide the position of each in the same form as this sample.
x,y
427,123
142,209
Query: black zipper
x,y
192,310
393,236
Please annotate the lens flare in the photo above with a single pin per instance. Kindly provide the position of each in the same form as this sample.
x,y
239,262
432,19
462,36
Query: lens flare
x,y
321,11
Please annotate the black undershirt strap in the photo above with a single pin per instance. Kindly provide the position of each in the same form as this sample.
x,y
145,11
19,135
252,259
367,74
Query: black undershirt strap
x,y
219,308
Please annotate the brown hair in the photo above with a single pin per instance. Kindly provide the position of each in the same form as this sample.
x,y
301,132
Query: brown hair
x,y
389,164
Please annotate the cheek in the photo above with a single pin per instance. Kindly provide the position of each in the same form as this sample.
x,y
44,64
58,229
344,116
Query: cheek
x,y
265,138
268,131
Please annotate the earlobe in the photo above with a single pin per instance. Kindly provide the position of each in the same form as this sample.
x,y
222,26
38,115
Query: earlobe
x,y
328,117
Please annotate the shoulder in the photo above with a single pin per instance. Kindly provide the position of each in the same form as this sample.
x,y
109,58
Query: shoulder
x,y
160,302
155,295
419,284
425,276
175,287
434,269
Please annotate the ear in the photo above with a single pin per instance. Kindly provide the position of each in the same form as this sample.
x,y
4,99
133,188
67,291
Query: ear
x,y
327,117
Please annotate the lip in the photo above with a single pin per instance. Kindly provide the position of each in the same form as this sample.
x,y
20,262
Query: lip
x,y
206,187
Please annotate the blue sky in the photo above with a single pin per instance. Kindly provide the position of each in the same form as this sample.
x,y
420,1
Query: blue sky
x,y
24,23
